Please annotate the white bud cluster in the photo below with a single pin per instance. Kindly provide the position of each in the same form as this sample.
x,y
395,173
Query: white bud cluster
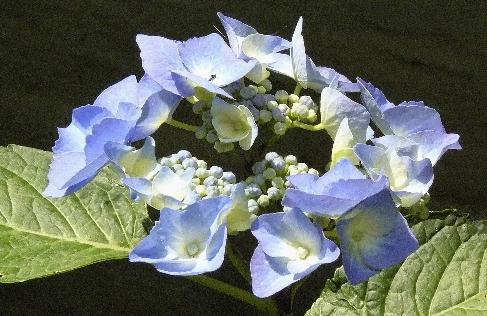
x,y
268,184
304,109
206,182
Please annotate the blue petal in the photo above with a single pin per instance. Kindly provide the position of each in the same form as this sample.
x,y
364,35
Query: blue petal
x,y
124,91
151,249
406,120
373,236
159,57
376,103
185,82
236,32
282,64
265,280
434,144
210,58
262,47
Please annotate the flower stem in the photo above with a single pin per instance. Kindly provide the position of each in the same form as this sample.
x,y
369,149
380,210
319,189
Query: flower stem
x,y
237,262
181,125
297,89
317,127
266,306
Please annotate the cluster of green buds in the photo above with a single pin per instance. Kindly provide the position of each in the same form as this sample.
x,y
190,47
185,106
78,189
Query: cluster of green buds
x,y
267,185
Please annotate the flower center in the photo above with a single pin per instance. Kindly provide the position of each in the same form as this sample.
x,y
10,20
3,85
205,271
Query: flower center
x,y
302,252
193,249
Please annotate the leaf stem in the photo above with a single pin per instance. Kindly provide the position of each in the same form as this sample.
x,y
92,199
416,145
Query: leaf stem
x,y
238,262
181,125
314,128
266,306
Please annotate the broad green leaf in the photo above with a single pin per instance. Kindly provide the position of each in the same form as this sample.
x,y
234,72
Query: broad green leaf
x,y
40,236
446,276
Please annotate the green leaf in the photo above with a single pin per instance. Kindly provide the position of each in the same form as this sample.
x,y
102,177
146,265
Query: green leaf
x,y
446,276
40,236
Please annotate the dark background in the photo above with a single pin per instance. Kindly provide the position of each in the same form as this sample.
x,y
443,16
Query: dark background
x,y
57,55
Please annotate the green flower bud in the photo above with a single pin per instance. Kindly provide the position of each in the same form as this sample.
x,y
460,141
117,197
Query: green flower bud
x,y
263,201
280,128
273,193
302,167
291,159
266,84
211,136
200,190
269,173
313,171
271,105
277,182
223,147
265,116
261,90
281,96
202,173
293,98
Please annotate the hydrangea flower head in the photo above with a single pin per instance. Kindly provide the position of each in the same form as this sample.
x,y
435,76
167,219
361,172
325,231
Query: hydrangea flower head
x,y
290,247
187,242
373,236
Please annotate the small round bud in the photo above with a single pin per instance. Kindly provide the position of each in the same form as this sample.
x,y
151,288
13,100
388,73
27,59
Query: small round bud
x,y
189,163
271,105
259,167
313,171
196,181
183,154
292,170
200,132
263,200
229,177
302,167
261,90
280,128
226,189
312,116
211,136
278,115
307,101
200,190
165,161
202,173
293,98
253,190
212,191
266,84
209,181
278,163
278,182
273,193
269,173
250,180
216,171
281,96
248,92
291,159
265,116
271,156
284,108
173,160
259,180
201,163
253,206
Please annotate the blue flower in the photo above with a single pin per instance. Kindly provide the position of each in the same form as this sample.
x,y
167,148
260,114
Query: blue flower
x,y
248,44
332,194
409,179
301,68
290,247
200,62
373,236
411,121
187,242
124,112
165,189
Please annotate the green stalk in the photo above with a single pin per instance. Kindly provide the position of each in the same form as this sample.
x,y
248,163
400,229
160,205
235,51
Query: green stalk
x,y
265,306
237,262
314,128
297,89
181,125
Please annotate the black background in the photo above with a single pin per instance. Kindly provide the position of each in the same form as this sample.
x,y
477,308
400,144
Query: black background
x,y
57,55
